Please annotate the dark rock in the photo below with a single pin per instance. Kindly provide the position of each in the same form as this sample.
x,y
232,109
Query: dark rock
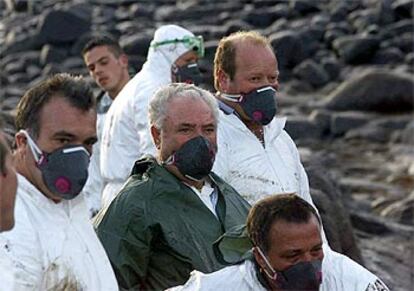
x,y
390,55
18,43
404,42
403,8
356,49
73,64
398,28
369,223
361,19
385,12
136,44
322,119
264,17
407,135
304,7
344,121
332,208
311,72
375,90
52,54
331,66
19,78
295,87
302,128
371,133
60,26
51,69
17,5
409,59
236,25
284,43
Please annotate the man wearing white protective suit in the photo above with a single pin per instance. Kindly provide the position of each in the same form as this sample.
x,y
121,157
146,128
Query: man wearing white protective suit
x,y
108,66
281,249
255,154
53,245
172,57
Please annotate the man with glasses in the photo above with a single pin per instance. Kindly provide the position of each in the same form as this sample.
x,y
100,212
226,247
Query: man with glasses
x,y
172,57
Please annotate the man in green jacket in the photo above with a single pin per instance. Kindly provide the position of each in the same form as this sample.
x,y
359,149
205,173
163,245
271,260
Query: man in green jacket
x,y
162,224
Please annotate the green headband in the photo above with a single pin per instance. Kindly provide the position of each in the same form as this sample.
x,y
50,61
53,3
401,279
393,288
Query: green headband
x,y
194,43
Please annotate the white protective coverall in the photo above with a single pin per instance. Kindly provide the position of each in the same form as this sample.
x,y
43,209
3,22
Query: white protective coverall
x,y
126,134
6,270
94,185
256,171
53,245
344,275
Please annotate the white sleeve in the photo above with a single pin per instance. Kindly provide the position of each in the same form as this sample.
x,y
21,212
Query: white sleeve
x,y
21,244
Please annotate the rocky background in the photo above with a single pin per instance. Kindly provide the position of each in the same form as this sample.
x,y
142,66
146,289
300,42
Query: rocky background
x,y
347,87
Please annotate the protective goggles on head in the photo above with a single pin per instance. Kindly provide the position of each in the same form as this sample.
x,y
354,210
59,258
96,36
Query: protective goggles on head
x,y
194,43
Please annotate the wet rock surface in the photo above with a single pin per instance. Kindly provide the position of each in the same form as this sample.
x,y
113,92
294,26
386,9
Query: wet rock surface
x,y
346,72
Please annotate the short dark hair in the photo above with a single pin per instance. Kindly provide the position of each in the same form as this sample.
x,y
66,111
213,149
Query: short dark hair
x,y
287,207
73,89
103,40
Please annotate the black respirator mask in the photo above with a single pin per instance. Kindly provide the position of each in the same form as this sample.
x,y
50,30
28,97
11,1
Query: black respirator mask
x,y
301,276
194,159
258,104
189,74
64,171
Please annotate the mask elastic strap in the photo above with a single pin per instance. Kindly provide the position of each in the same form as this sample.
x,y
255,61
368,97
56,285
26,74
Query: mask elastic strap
x,y
231,97
37,153
272,277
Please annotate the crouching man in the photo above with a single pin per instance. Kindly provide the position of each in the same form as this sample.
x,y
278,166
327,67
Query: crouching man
x,y
284,233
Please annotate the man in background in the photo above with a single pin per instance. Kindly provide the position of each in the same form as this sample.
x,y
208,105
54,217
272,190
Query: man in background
x,y
108,66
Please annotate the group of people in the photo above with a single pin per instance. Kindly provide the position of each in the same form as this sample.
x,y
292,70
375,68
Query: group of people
x,y
169,172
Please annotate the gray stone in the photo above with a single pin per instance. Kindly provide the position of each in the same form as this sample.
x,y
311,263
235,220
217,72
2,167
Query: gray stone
x,y
284,43
403,8
137,44
52,54
344,121
374,90
356,49
302,128
390,55
59,26
311,72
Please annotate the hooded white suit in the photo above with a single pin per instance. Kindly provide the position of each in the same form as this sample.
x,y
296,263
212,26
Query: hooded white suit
x,y
126,134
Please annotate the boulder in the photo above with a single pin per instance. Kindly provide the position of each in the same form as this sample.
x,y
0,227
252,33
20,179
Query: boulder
x,y
302,128
356,49
137,44
60,26
374,90
344,121
311,72
333,209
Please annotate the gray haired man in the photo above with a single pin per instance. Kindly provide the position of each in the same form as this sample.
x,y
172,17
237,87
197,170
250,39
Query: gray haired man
x,y
162,224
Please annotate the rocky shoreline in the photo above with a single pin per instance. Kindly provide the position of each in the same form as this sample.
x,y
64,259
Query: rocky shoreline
x,y
347,89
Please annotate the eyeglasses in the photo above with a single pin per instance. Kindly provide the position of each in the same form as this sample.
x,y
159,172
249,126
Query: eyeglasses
x,y
194,43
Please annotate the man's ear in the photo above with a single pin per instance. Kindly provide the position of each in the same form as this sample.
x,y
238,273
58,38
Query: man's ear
x,y
123,58
259,259
156,136
223,80
20,140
